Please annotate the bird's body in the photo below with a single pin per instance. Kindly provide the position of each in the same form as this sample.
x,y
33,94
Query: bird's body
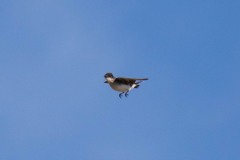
x,y
120,87
122,84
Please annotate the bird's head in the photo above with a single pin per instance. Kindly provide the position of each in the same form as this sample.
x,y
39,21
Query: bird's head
x,y
109,77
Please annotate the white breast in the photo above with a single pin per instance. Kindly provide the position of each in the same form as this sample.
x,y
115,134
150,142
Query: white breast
x,y
120,87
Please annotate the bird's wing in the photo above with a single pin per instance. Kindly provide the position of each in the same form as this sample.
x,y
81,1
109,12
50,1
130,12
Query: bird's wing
x,y
136,79
125,80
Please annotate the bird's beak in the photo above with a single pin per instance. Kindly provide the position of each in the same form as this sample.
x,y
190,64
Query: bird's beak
x,y
105,82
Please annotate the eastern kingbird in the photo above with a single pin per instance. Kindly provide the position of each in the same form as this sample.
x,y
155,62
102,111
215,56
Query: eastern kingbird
x,y
121,84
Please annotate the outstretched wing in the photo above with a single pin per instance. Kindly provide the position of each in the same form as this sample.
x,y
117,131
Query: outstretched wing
x,y
140,79
128,81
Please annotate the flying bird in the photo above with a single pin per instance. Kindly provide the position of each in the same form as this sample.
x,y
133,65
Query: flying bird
x,y
122,84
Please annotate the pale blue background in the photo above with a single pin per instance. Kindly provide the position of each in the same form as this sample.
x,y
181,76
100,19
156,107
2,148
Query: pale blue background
x,y
55,106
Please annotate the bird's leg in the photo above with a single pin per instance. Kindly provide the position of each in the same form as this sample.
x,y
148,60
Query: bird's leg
x,y
126,94
120,95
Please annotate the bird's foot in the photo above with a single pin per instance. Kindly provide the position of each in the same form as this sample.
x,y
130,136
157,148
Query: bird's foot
x,y
126,94
120,95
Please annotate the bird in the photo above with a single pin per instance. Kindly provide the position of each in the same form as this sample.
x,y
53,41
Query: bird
x,y
122,84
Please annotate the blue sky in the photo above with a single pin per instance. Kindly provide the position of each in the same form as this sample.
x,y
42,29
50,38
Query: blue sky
x,y
55,106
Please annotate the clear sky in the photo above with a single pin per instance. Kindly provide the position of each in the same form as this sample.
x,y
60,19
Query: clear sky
x,y
55,106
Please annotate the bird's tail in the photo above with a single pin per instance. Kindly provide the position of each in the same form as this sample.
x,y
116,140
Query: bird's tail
x,y
137,85
139,82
